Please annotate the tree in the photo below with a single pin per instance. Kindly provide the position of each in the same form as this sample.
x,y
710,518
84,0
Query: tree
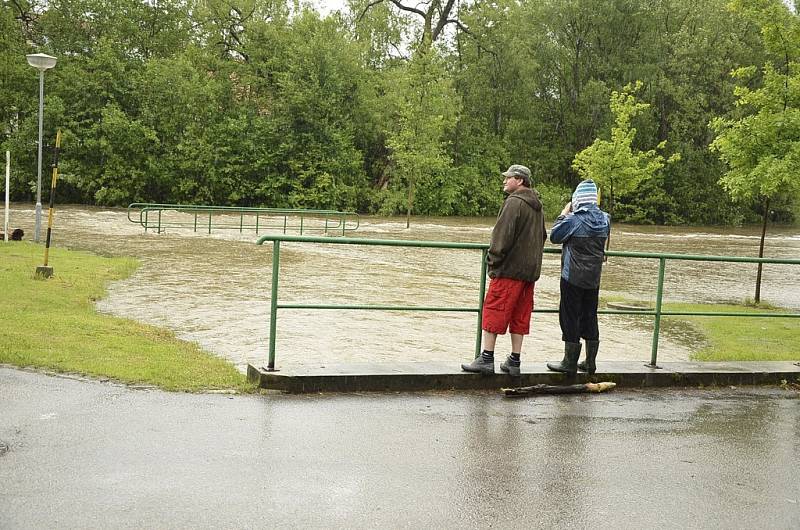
x,y
18,84
762,148
616,161
424,105
314,93
685,66
263,102
434,16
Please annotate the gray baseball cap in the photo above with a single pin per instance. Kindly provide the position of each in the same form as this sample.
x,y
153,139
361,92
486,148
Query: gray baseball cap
x,y
518,171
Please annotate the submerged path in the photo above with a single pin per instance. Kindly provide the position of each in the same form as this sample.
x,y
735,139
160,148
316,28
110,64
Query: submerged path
x,y
90,454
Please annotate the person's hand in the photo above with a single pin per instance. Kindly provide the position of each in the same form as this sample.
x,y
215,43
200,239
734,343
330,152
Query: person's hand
x,y
567,208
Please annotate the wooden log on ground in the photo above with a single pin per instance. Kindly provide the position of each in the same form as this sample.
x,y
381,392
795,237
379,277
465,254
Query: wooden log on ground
x,y
553,389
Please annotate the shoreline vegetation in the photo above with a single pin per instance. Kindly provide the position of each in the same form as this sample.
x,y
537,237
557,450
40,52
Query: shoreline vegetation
x,y
53,325
412,107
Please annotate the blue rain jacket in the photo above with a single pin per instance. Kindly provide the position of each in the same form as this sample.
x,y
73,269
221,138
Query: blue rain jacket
x,y
583,234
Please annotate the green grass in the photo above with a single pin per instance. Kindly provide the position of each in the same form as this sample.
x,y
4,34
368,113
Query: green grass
x,y
737,338
52,324
743,338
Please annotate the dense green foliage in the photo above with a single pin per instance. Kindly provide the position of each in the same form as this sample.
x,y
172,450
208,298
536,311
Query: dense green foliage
x,y
762,148
614,164
387,107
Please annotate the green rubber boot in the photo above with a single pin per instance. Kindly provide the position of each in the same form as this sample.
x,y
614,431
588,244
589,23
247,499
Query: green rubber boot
x,y
589,364
569,365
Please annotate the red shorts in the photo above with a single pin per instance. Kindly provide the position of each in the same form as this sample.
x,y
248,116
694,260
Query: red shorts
x,y
508,306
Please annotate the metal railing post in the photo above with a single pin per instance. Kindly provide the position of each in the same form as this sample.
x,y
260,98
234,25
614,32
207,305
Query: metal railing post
x,y
195,221
273,309
159,221
209,221
481,294
657,324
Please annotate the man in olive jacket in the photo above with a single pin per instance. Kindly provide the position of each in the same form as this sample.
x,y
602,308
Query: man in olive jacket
x,y
514,263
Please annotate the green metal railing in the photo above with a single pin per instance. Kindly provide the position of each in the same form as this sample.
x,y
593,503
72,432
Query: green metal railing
x,y
657,312
159,217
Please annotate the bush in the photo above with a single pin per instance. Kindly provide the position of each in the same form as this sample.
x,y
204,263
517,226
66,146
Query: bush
x,y
553,197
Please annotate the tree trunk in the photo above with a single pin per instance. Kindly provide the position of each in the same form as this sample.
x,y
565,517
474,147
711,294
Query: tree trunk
x,y
761,250
410,202
611,198
610,212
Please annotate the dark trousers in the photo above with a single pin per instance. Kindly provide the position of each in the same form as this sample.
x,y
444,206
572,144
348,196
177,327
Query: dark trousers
x,y
577,313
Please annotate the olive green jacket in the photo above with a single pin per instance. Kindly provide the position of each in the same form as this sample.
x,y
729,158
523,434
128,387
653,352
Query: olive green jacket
x,y
518,238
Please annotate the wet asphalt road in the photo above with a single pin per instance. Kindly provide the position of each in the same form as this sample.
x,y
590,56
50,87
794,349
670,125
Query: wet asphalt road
x,y
86,454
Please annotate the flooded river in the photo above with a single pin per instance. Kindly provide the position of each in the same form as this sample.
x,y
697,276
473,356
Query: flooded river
x,y
215,289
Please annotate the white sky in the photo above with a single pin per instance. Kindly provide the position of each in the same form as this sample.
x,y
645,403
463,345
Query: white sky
x,y
326,6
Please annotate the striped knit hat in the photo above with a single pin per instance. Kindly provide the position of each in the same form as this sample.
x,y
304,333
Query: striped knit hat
x,y
585,193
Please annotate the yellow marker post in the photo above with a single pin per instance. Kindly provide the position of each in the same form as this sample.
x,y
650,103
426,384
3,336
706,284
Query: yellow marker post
x,y
45,271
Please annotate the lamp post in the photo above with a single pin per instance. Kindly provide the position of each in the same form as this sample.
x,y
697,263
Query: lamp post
x,y
41,62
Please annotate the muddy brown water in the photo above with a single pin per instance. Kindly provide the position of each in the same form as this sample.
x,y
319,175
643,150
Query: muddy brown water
x,y
215,289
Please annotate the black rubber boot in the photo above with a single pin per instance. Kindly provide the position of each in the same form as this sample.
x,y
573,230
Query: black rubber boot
x,y
569,365
589,364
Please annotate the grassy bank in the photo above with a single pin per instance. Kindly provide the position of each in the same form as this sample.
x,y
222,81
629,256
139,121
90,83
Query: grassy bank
x,y
743,339
52,324
738,338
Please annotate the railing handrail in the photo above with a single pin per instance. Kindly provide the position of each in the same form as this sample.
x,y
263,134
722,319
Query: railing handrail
x,y
485,246
345,221
151,206
135,205
656,312
378,242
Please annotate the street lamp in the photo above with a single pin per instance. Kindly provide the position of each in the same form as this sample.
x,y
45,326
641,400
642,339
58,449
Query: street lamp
x,y
41,62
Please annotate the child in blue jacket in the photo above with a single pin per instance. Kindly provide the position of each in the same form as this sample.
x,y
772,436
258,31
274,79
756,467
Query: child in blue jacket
x,y
583,229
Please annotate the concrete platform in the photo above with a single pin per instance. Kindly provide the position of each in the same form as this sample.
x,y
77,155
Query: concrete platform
x,y
448,376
